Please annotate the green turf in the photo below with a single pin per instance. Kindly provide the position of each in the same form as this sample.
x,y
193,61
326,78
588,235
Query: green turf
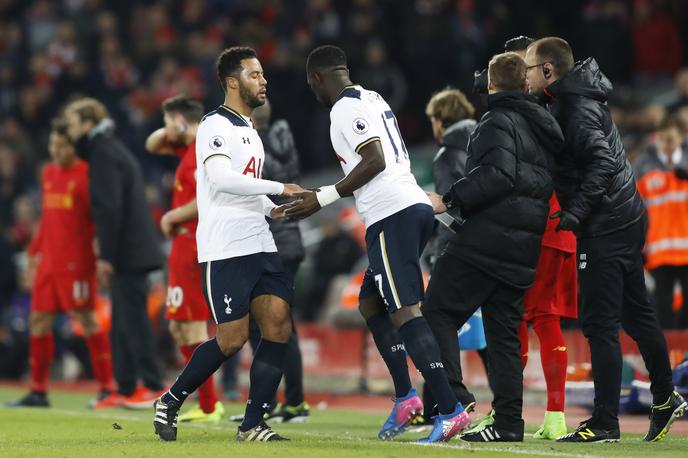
x,y
70,430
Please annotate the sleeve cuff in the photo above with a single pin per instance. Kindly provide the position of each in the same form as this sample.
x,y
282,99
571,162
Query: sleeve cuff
x,y
366,142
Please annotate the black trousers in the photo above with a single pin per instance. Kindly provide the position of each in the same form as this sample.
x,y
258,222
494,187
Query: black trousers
x,y
131,334
293,365
665,278
613,294
455,292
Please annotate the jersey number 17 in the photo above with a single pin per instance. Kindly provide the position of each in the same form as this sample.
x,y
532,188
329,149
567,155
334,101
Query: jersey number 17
x,y
386,117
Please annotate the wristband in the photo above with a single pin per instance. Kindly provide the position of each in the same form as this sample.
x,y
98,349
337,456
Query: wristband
x,y
327,195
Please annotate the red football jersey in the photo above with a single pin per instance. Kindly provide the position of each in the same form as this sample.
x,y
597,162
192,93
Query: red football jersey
x,y
66,232
185,183
562,240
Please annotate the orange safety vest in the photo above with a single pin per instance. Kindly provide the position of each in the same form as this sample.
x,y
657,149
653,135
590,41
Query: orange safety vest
x,y
666,199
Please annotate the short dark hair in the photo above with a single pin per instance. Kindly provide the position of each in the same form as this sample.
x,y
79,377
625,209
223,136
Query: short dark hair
x,y
229,62
670,122
59,127
556,51
507,72
187,106
519,43
325,57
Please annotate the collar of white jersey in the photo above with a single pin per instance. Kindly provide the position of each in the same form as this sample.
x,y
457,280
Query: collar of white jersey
x,y
352,90
234,116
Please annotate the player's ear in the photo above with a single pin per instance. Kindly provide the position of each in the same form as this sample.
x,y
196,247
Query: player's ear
x,y
232,82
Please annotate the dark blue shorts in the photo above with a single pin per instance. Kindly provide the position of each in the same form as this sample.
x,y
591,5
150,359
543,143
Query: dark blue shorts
x,y
229,285
395,245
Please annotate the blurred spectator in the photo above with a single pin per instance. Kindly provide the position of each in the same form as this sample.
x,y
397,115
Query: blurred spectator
x,y
382,76
662,174
337,253
25,222
14,321
15,179
656,40
605,34
681,89
8,276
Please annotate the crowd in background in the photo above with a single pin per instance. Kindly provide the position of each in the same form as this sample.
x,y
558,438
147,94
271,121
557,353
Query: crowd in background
x,y
133,55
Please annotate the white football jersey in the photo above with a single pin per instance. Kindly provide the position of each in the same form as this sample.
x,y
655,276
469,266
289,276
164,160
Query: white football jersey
x,y
358,118
229,225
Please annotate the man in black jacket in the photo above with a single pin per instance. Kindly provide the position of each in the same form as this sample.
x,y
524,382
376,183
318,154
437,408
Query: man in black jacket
x,y
451,117
127,248
503,203
600,203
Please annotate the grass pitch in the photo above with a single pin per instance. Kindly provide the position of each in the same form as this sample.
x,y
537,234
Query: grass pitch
x,y
68,429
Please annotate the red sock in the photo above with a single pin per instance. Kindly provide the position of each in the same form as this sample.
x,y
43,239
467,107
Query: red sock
x,y
41,353
523,337
554,359
206,392
101,359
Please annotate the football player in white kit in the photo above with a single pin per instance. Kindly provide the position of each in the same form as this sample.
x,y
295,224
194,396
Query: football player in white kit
x,y
399,221
241,269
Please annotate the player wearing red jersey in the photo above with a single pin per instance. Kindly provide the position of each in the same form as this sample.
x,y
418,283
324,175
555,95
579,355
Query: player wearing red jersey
x,y
186,311
62,258
553,296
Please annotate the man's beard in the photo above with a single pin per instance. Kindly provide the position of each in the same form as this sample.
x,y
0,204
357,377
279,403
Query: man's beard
x,y
249,99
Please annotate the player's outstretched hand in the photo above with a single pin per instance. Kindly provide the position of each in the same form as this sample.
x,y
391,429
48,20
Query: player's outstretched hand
x,y
305,205
291,189
438,206
280,212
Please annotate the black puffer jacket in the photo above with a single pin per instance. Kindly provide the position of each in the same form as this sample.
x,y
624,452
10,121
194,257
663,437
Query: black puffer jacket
x,y
593,178
448,167
126,234
282,164
505,196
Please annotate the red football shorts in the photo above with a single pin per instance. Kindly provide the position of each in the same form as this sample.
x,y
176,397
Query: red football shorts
x,y
185,300
555,291
52,293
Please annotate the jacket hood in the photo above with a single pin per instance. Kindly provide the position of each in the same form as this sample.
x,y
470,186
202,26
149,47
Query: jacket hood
x,y
457,134
106,125
543,124
586,79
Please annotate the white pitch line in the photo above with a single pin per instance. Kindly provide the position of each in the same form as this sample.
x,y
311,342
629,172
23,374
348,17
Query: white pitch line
x,y
515,450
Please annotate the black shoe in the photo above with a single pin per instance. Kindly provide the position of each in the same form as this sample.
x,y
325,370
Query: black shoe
x,y
290,414
491,434
260,433
33,399
588,433
663,416
165,421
